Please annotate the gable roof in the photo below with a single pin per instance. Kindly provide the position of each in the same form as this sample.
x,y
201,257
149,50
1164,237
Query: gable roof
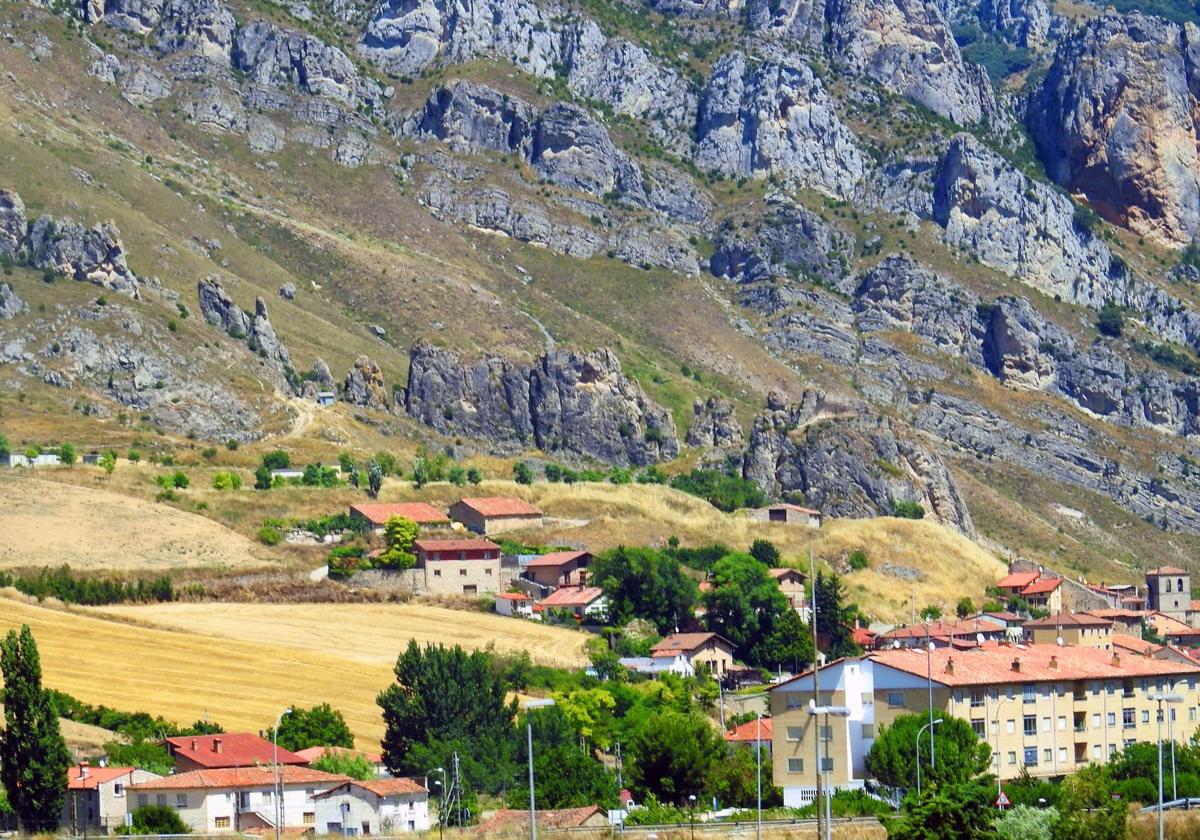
x,y
508,820
1165,625
573,596
514,596
796,508
95,777
455,545
420,512
228,749
500,506
311,754
1017,580
555,558
240,777
1068,620
1041,587
1166,570
686,643
379,787
944,629
1133,644
749,731
786,571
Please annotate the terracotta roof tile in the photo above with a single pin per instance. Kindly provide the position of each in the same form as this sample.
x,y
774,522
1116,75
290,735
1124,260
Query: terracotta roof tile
x,y
685,643
1166,570
240,777
96,776
749,731
1069,620
381,787
455,545
419,512
1133,644
1017,580
1042,587
572,596
500,506
311,754
555,558
228,749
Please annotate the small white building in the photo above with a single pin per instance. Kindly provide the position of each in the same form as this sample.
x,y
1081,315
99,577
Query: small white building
x,y
514,604
17,459
378,806
234,799
786,512
96,797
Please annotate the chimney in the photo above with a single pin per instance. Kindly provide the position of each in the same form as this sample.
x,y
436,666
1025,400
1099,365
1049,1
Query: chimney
x,y
1116,660
1053,662
83,769
1016,665
950,665
582,578
216,745
195,745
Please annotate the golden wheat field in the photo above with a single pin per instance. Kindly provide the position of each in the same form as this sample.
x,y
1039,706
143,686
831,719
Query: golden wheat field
x,y
244,678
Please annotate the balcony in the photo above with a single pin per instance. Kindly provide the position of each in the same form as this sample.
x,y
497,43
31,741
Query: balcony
x,y
1081,727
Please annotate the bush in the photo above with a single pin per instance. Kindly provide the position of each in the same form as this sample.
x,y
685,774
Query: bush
x,y
66,586
723,491
474,476
227,480
270,535
177,480
1111,320
66,453
457,476
522,474
277,460
859,560
905,509
133,456
231,445
155,819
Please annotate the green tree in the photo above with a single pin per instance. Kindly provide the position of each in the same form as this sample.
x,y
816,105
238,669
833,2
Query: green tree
x,y
644,583
765,552
961,756
674,756
227,480
734,781
374,478
400,534
33,754
1111,320
147,755
964,607
108,461
474,477
262,478
834,618
786,643
566,774
522,473
320,726
66,453
445,699
947,812
156,819
457,476
5,447
276,460
746,606
345,763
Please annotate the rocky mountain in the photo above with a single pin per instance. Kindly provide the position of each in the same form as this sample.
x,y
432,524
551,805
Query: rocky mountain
x,y
947,243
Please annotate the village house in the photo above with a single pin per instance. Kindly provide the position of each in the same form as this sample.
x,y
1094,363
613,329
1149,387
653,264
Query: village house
x,y
495,514
700,650
752,734
1013,584
788,513
961,633
228,749
1078,629
377,514
514,604
326,397
311,754
233,799
96,797
1044,594
378,806
458,567
558,568
791,584
1173,631
582,602
1044,709
17,459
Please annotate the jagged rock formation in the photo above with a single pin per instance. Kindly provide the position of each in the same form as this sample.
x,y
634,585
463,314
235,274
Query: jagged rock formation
x,y
219,310
714,424
285,60
566,402
364,385
1115,119
12,224
775,118
1022,23
848,461
204,27
94,254
11,304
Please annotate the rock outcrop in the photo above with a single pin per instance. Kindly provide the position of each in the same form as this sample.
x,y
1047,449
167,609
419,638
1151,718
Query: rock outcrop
x,y
95,254
848,461
565,402
11,304
218,308
714,424
254,329
775,119
12,224
279,58
202,27
1115,118
364,385
262,339
1021,23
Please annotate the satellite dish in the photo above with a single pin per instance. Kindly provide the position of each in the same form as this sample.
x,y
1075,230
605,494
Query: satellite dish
x,y
1060,641
979,638
896,644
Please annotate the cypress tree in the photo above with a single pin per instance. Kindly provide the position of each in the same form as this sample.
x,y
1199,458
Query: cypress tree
x,y
33,754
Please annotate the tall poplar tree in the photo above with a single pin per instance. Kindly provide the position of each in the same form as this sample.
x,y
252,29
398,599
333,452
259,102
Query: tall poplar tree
x,y
33,754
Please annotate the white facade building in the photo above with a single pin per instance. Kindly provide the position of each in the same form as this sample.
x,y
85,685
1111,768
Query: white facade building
x,y
378,806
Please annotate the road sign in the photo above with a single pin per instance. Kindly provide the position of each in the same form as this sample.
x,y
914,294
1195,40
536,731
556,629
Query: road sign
x,y
1002,800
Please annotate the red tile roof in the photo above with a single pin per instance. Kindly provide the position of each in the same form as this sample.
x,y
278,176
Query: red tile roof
x,y
229,749
1166,570
311,754
510,821
862,637
1133,644
944,629
749,731
419,512
555,559
96,776
1068,620
455,545
992,663
1017,580
779,573
240,777
686,643
1042,587
1165,625
381,787
1115,613
514,596
500,506
572,596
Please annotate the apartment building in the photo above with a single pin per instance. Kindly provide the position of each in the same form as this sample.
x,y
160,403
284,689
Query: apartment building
x,y
1048,709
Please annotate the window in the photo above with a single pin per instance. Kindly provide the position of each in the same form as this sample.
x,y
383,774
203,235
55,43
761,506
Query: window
x,y
977,698
795,765
1179,584
1012,757
1168,584
1029,693
978,725
160,799
143,800
1010,726
1112,718
1062,755
826,764
1046,723
1096,720
1112,750
896,699
1030,756
795,701
1062,723
310,818
1047,755
118,789
826,733
181,800
1127,719
243,800
487,571
462,572
1145,715
1097,752
1030,724
437,572
221,822
868,730
1192,714
794,733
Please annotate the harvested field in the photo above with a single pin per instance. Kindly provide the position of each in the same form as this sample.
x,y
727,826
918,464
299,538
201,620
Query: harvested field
x,y
48,523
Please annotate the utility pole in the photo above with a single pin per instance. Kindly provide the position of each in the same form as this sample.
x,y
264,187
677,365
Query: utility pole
x,y
812,573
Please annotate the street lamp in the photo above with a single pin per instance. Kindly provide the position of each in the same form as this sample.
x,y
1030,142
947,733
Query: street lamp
x,y
836,711
929,679
921,732
692,813
1161,698
530,705
758,770
999,789
278,785
441,799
